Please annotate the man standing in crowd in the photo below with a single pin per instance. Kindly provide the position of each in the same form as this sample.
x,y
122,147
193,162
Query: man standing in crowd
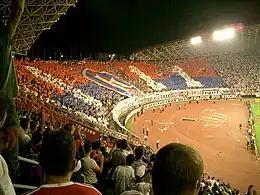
x,y
179,172
89,166
139,166
120,153
6,186
8,86
124,176
58,160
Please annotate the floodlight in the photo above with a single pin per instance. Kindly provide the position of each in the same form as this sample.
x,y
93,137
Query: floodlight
x,y
61,56
221,35
195,40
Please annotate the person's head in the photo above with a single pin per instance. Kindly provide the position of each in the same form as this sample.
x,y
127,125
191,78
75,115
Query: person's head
x,y
123,144
46,132
96,145
130,159
87,147
104,151
36,137
57,156
33,126
139,152
152,158
70,128
177,169
3,111
25,123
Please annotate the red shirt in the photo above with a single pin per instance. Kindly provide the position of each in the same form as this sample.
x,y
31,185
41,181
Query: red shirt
x,y
65,189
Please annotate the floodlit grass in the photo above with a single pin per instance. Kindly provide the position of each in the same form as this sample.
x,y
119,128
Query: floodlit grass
x,y
256,116
129,124
256,110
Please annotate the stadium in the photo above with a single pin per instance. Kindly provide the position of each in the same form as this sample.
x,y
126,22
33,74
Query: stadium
x,y
201,91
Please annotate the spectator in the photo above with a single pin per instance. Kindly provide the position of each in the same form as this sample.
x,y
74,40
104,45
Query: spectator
x,y
76,177
148,177
24,123
90,167
177,170
6,187
120,153
96,153
9,86
138,165
70,128
57,158
124,176
33,126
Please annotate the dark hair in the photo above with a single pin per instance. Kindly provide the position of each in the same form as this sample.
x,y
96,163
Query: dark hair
x,y
36,137
57,154
123,144
177,169
139,152
87,147
104,152
68,127
152,158
24,123
130,159
33,126
46,132
118,143
96,145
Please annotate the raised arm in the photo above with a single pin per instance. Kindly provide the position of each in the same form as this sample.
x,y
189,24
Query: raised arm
x,y
17,10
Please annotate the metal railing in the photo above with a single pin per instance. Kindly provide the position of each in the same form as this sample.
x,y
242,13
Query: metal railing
x,y
21,186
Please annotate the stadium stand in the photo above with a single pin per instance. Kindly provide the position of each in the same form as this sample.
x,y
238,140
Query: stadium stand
x,y
60,97
239,71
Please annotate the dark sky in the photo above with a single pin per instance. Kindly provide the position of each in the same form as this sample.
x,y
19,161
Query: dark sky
x,y
122,26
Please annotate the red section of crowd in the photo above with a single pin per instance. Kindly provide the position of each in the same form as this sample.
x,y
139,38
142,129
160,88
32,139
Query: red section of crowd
x,y
196,67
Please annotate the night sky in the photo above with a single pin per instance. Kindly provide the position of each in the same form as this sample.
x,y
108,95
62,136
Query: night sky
x,y
123,26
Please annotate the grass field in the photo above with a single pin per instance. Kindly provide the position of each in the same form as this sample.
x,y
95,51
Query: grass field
x,y
256,116
129,123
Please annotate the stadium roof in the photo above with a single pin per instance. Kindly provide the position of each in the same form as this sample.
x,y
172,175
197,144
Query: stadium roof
x,y
242,40
39,15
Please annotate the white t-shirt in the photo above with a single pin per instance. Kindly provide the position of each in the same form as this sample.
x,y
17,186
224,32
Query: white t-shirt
x,y
88,170
124,177
6,186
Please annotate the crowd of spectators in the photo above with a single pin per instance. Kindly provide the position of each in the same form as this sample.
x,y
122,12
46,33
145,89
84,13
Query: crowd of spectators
x,y
240,71
67,89
73,164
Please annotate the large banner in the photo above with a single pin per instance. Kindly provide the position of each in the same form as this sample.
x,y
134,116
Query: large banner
x,y
111,82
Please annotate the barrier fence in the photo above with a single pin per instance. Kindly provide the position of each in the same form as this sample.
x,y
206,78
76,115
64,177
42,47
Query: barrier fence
x,y
21,186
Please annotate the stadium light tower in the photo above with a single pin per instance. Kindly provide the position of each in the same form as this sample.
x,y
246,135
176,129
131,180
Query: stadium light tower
x,y
221,35
195,40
